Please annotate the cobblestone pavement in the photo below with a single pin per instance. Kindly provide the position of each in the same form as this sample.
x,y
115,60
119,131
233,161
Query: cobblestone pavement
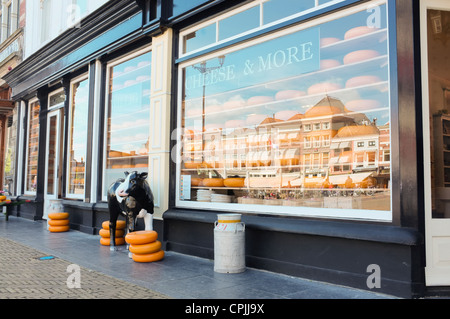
x,y
24,275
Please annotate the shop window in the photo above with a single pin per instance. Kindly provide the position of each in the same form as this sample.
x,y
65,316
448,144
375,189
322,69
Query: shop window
x,y
128,117
32,147
78,117
330,77
252,17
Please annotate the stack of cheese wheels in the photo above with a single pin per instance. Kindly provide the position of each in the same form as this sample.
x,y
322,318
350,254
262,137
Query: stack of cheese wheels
x,y
144,246
120,233
58,222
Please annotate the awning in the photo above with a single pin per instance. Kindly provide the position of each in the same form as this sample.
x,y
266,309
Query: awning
x,y
356,178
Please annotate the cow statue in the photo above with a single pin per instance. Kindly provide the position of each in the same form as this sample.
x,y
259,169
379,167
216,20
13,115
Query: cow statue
x,y
133,198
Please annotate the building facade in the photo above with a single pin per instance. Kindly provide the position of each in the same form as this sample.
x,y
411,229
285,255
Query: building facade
x,y
322,122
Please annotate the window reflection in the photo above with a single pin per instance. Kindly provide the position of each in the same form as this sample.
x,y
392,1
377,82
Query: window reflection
x,y
300,120
33,147
128,121
78,137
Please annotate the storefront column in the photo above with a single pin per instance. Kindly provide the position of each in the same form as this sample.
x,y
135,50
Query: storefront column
x,y
159,144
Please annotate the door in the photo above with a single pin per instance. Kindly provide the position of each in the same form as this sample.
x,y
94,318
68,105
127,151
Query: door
x,y
435,46
53,170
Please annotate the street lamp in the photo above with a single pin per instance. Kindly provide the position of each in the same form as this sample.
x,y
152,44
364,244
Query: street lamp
x,y
203,69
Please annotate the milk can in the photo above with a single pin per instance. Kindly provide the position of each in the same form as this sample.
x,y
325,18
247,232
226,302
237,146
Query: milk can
x,y
229,244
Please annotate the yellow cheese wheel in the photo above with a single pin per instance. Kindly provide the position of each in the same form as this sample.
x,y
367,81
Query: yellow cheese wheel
x,y
234,182
120,224
106,241
2,198
144,249
58,229
58,222
106,234
148,258
58,216
141,237
196,181
213,182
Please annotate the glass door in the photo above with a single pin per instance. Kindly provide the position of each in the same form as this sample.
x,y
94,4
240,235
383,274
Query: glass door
x,y
435,43
53,159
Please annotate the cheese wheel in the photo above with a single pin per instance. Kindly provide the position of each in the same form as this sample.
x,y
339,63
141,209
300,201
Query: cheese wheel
x,y
329,64
359,31
58,216
120,224
148,258
141,237
58,229
106,241
56,222
288,94
285,115
106,233
213,182
144,249
324,87
362,80
196,181
234,182
360,55
2,198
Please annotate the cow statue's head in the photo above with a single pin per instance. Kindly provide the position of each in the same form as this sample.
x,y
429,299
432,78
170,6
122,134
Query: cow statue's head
x,y
133,182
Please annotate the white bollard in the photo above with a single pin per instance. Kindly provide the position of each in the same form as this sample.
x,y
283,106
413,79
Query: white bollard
x,y
229,244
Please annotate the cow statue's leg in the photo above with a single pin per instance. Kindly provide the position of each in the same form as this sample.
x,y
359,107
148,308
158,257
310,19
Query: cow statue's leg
x,y
112,234
131,222
148,219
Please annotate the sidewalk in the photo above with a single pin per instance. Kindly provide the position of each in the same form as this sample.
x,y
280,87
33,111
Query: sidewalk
x,y
112,275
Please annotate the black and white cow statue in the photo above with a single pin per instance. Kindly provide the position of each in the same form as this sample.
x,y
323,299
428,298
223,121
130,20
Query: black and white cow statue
x,y
133,198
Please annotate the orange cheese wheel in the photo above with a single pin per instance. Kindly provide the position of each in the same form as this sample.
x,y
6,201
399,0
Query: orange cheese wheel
x,y
148,258
196,181
106,234
58,222
58,216
144,249
106,241
2,198
141,237
360,55
58,229
120,224
213,182
234,182
358,31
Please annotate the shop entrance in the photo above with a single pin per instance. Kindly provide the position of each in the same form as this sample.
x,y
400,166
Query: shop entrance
x,y
435,43
53,172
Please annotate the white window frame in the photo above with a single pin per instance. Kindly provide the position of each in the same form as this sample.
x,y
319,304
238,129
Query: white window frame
x,y
350,214
69,195
108,66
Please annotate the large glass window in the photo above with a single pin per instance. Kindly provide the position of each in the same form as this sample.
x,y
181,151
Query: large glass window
x,y
254,16
128,117
283,124
79,107
32,147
